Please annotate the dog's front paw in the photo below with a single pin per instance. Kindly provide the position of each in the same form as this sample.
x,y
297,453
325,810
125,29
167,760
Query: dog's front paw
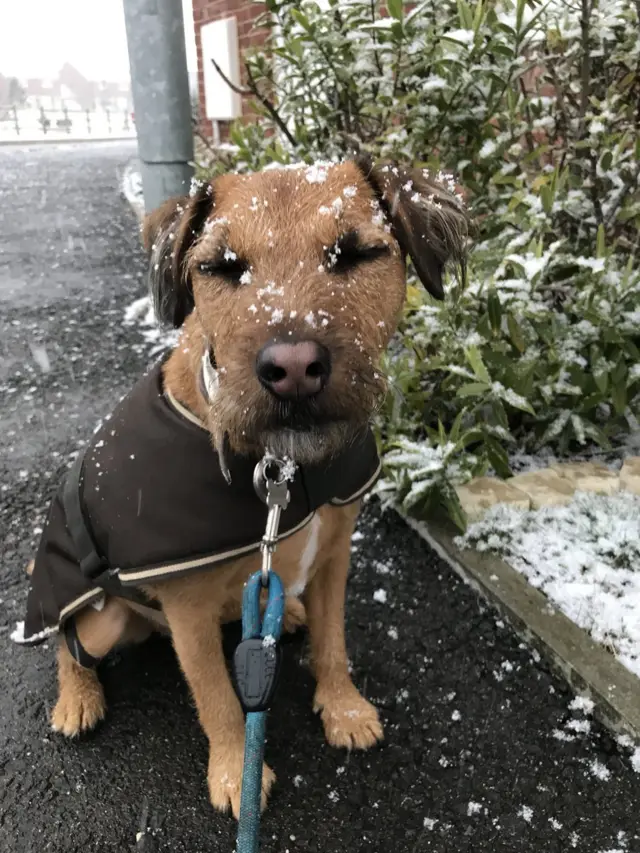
x,y
225,781
349,720
80,706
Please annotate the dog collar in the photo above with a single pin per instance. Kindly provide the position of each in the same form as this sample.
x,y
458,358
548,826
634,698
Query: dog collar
x,y
209,380
209,383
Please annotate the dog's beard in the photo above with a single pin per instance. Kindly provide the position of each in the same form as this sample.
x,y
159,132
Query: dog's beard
x,y
296,435
309,446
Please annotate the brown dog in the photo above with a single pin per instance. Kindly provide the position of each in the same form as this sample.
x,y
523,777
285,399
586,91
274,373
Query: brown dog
x,y
291,281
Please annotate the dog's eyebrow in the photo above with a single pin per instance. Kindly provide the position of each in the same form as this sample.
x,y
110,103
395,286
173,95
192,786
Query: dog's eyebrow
x,y
350,249
349,241
352,243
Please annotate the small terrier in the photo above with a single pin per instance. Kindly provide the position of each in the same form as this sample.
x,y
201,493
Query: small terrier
x,y
287,286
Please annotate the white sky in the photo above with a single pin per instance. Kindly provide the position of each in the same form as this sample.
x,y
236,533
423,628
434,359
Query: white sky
x,y
37,37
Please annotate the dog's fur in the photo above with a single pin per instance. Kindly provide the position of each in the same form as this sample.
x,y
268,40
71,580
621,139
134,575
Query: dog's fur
x,y
286,232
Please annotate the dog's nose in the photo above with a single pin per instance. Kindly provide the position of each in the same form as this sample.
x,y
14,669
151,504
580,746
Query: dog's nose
x,y
293,370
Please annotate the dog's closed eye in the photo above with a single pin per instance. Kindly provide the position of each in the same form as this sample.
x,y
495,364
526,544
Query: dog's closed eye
x,y
227,266
349,252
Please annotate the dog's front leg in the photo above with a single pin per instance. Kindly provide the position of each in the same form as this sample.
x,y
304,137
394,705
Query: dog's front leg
x,y
197,638
349,720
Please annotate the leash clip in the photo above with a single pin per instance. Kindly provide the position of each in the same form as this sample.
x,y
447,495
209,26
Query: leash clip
x,y
270,478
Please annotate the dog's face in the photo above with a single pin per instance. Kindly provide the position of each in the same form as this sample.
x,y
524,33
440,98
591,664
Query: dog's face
x,y
297,277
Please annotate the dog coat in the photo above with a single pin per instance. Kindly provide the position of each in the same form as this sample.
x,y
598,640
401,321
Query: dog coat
x,y
148,501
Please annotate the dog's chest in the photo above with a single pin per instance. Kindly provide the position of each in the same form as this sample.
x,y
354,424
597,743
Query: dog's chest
x,y
301,570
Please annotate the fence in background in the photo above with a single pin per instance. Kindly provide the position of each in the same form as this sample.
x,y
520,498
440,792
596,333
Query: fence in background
x,y
29,124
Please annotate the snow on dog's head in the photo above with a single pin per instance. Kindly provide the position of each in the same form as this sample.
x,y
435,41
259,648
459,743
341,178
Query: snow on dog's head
x,y
295,280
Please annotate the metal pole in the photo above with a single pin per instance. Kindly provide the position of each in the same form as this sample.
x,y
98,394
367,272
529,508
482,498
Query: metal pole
x,y
160,88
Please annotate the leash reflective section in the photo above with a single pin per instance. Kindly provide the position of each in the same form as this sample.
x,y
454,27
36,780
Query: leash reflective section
x,y
257,657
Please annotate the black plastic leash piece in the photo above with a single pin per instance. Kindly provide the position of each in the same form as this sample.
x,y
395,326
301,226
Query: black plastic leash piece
x,y
256,665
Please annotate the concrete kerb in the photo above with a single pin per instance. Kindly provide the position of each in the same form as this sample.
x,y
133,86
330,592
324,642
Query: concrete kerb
x,y
65,140
589,668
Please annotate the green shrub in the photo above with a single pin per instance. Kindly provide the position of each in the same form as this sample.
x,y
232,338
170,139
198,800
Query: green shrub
x,y
534,108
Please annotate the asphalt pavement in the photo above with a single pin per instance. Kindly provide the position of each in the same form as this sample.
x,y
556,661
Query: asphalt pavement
x,y
483,752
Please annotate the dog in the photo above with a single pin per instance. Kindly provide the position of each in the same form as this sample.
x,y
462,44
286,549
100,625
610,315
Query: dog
x,y
287,286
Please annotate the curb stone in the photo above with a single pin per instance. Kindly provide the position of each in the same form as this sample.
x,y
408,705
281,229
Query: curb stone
x,y
588,668
65,140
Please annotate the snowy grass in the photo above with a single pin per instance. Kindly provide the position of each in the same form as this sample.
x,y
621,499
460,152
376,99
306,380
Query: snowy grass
x,y
585,557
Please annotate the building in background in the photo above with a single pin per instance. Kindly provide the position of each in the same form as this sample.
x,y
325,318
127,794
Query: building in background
x,y
69,90
13,92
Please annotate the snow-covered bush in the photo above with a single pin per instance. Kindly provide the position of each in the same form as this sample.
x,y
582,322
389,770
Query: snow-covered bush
x,y
533,106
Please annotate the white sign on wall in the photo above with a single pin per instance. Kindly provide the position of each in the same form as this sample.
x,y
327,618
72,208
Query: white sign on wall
x,y
220,42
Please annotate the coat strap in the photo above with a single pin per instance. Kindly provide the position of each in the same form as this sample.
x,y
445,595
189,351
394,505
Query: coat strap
x,y
94,568
76,649
92,565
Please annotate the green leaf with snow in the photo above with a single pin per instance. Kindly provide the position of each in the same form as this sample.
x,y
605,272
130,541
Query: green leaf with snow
x,y
451,502
395,9
546,197
478,17
473,389
466,15
601,377
596,434
515,333
303,20
508,395
619,397
494,309
498,457
555,428
456,427
474,358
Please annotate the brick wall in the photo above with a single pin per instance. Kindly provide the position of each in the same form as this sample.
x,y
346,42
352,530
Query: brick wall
x,y
245,12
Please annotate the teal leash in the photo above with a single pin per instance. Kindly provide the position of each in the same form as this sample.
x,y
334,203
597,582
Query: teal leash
x,y
257,657
257,664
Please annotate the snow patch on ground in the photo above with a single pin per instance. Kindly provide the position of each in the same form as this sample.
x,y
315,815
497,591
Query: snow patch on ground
x,y
526,813
585,557
141,313
625,742
600,770
131,187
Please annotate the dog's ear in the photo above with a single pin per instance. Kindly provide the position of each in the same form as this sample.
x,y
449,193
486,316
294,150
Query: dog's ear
x,y
167,234
429,222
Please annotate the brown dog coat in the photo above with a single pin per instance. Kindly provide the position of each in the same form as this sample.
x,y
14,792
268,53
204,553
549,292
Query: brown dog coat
x,y
151,502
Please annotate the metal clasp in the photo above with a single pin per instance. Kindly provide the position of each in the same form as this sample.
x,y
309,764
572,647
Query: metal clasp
x,y
270,478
